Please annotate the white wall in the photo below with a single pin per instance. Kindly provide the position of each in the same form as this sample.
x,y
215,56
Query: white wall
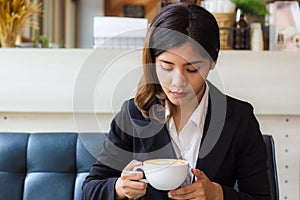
x,y
81,89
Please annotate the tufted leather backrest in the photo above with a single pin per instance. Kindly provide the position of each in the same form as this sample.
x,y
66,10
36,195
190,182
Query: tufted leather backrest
x,y
272,169
42,166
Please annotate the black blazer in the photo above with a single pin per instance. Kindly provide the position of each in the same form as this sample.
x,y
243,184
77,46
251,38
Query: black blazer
x,y
232,150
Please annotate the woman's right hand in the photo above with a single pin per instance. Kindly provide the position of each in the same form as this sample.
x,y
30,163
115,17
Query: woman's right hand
x,y
128,185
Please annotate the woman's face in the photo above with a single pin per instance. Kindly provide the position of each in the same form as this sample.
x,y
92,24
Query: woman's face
x,y
182,72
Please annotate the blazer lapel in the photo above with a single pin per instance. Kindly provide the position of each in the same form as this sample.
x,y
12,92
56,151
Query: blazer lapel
x,y
218,132
158,145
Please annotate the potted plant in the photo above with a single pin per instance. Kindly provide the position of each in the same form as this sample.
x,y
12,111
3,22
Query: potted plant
x,y
14,14
254,10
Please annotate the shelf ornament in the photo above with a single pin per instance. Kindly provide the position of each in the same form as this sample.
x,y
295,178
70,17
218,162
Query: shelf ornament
x,y
14,15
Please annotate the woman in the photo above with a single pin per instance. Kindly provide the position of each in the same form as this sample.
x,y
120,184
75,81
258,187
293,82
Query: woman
x,y
176,113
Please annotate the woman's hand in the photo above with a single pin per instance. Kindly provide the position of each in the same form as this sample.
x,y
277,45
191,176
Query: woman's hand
x,y
202,189
128,185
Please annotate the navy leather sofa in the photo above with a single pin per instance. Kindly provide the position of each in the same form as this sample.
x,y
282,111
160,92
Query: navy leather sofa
x,y
52,166
45,166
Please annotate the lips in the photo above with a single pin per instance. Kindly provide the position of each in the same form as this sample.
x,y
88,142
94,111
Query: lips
x,y
178,94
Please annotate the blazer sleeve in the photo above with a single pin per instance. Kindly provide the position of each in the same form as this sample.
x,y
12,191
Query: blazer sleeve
x,y
116,154
251,169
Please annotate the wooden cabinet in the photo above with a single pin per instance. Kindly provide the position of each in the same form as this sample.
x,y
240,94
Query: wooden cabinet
x,y
115,7
151,7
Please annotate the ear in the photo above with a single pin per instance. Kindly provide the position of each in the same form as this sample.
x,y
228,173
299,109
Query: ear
x,y
213,65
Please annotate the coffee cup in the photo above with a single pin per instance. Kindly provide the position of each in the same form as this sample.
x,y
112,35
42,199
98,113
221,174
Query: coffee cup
x,y
164,174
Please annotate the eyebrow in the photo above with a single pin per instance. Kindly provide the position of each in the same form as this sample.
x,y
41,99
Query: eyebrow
x,y
188,63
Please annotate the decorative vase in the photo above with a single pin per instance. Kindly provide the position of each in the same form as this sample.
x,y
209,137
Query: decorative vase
x,y
14,15
8,41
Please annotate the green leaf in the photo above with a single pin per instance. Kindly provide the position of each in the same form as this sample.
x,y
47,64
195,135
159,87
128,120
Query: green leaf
x,y
254,7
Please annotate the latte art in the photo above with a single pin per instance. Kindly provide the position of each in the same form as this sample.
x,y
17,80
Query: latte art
x,y
166,162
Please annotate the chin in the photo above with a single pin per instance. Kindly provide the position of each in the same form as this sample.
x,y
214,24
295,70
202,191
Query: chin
x,y
177,102
173,101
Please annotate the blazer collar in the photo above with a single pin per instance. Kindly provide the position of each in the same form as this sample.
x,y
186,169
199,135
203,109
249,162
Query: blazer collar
x,y
218,131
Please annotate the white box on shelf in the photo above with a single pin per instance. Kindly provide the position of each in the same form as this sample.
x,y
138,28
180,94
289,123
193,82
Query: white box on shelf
x,y
119,32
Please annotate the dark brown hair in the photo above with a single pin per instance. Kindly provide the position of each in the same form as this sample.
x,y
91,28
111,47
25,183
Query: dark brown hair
x,y
176,24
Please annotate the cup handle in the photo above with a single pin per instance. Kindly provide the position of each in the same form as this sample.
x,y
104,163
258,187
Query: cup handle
x,y
141,169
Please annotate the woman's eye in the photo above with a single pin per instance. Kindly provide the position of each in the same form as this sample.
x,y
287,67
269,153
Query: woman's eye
x,y
192,69
167,68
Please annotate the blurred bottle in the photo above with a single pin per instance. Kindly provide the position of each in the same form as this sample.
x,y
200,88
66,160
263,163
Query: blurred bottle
x,y
164,3
266,36
241,32
190,2
266,32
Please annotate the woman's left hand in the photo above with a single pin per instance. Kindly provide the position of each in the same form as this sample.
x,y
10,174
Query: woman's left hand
x,y
202,189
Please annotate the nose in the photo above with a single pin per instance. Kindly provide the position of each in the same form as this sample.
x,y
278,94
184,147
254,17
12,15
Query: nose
x,y
179,80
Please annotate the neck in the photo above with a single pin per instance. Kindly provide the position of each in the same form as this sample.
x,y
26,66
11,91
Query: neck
x,y
183,112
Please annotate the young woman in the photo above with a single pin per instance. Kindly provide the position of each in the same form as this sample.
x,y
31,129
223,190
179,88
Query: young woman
x,y
177,113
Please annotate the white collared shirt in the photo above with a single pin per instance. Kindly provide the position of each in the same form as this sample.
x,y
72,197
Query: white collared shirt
x,y
186,143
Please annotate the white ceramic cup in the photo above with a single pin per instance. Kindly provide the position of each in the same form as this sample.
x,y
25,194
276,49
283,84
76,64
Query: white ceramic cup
x,y
165,174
